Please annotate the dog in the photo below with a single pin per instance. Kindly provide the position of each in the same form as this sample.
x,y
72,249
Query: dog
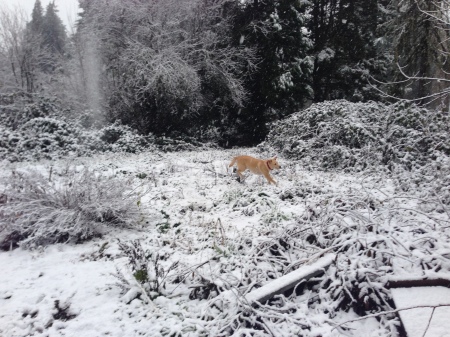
x,y
256,166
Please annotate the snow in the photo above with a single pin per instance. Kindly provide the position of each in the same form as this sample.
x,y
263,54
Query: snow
x,y
416,320
325,55
229,238
36,280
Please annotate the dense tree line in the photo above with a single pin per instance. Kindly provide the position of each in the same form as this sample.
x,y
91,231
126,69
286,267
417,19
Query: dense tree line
x,y
221,70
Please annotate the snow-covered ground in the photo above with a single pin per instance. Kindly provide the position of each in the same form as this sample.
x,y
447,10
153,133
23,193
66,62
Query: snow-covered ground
x,y
421,320
227,236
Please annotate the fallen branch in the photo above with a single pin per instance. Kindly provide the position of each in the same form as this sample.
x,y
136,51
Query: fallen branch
x,y
389,312
432,282
290,280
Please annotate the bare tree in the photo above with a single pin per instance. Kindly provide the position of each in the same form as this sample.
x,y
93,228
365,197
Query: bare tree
x,y
157,57
22,53
12,40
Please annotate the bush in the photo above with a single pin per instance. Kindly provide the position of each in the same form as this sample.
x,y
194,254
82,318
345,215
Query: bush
x,y
51,138
147,270
81,206
35,128
352,136
48,137
20,108
122,138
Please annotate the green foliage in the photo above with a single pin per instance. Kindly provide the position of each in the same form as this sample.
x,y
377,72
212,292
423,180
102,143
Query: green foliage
x,y
141,175
141,276
163,227
146,267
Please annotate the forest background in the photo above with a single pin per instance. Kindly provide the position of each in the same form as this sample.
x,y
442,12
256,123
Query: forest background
x,y
214,71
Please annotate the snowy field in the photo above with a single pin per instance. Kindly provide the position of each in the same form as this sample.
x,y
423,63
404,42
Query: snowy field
x,y
203,233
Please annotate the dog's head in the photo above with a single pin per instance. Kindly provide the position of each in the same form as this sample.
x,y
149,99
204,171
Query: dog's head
x,y
274,163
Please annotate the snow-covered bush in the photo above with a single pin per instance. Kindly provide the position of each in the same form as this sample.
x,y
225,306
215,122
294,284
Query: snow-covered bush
x,y
122,138
353,136
252,202
78,207
52,138
375,237
34,127
181,143
149,275
41,137
47,137
20,108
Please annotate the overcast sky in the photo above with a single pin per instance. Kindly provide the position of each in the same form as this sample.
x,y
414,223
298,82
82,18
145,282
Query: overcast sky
x,y
67,9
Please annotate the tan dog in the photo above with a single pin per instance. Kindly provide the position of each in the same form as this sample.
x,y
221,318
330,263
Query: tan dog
x,y
257,166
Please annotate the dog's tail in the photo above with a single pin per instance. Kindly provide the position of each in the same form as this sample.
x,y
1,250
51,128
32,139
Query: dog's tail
x,y
232,162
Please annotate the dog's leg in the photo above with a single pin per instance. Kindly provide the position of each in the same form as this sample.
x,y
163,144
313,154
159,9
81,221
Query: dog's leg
x,y
232,162
270,179
240,176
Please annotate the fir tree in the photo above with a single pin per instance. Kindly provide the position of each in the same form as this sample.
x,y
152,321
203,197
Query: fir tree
x,y
54,32
344,34
281,84
37,18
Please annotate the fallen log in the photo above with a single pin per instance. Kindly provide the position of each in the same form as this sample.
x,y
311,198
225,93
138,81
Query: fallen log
x,y
289,281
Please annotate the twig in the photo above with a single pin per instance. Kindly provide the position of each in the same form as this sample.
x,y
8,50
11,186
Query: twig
x,y
389,312
429,321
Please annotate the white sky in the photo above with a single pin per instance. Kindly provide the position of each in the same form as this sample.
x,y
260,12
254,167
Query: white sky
x,y
67,9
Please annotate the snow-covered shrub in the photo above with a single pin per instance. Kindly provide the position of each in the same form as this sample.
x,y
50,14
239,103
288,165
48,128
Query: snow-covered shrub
x,y
7,139
42,107
43,138
52,138
180,143
252,202
46,137
371,244
122,138
146,268
344,135
80,206
20,108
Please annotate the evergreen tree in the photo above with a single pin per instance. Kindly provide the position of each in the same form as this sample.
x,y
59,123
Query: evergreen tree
x,y
53,31
281,84
37,18
344,34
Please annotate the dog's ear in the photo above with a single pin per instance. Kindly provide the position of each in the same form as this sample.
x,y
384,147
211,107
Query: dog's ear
x,y
275,157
